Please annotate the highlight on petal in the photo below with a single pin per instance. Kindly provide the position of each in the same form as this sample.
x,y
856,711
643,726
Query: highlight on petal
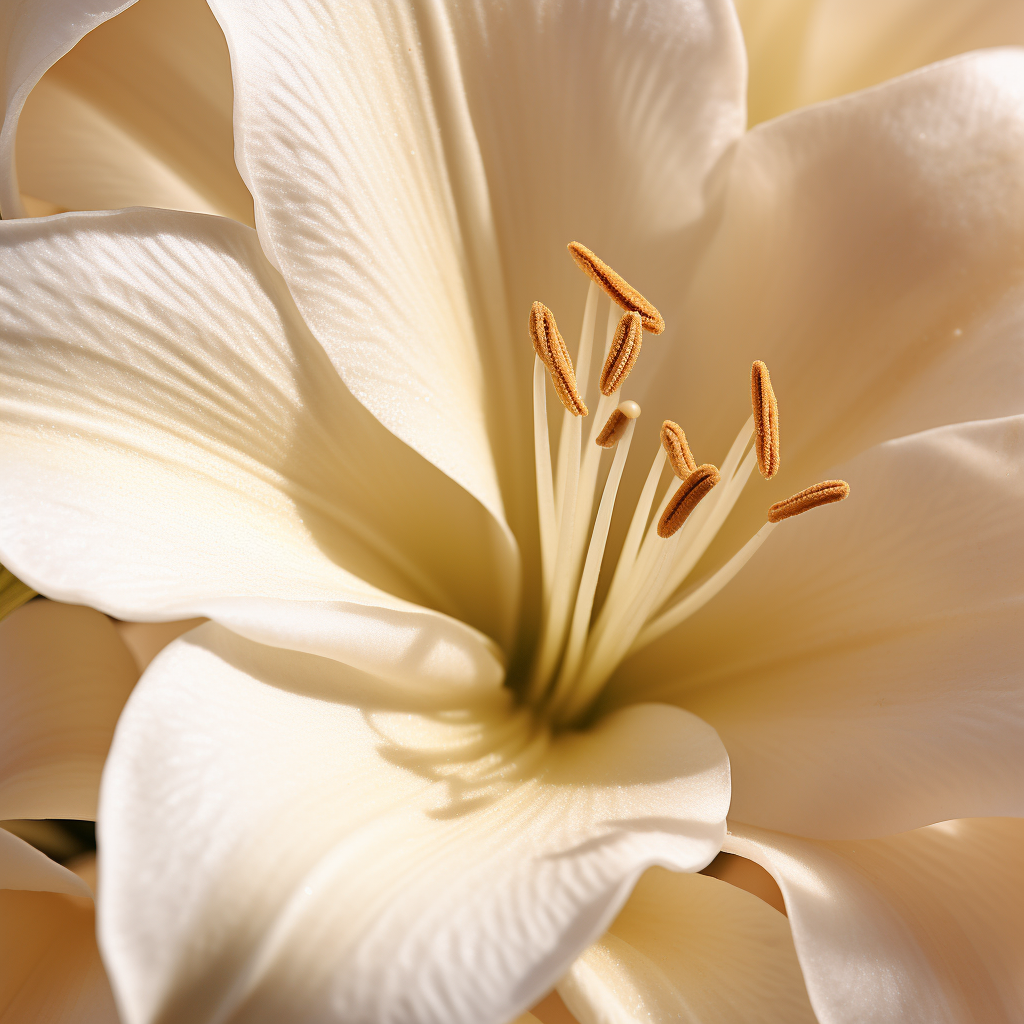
x,y
315,845
921,927
64,677
392,152
864,669
52,973
138,113
176,444
33,36
689,947
875,240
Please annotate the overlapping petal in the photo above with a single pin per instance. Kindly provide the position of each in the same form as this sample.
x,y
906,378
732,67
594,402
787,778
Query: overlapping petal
x,y
176,444
922,927
138,113
864,669
869,253
64,677
804,51
311,844
52,973
689,947
418,169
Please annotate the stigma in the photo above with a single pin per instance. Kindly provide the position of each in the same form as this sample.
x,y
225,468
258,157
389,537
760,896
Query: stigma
x,y
581,645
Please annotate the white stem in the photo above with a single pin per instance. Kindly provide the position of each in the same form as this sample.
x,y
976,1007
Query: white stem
x,y
561,591
696,600
592,566
586,349
542,460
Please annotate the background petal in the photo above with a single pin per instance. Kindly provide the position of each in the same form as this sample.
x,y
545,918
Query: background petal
x,y
864,669
689,947
24,868
176,444
415,182
313,845
804,51
64,677
138,113
922,927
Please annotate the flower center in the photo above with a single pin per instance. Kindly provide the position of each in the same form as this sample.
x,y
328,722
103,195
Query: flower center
x,y
578,649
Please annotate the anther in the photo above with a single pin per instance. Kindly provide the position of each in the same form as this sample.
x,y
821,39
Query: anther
x,y
766,420
612,430
616,287
691,491
673,440
623,353
551,350
810,497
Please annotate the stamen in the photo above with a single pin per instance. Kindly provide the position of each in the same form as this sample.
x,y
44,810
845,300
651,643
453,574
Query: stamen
x,y
550,347
766,420
616,425
695,487
673,440
542,464
623,353
810,497
617,287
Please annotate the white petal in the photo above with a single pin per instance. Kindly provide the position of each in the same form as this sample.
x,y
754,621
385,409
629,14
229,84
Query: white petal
x,y
869,254
138,113
25,868
864,669
33,35
803,52
311,845
176,444
920,928
64,677
689,947
419,169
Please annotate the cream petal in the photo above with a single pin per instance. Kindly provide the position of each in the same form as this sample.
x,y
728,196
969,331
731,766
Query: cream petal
x,y
804,51
64,677
869,253
416,167
22,867
34,34
176,444
145,640
920,928
689,947
864,669
311,844
138,113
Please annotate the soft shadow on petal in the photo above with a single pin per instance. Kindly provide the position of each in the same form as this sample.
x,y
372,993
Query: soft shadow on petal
x,y
64,677
864,669
145,640
921,927
138,113
312,844
34,34
51,973
419,168
870,254
174,436
689,947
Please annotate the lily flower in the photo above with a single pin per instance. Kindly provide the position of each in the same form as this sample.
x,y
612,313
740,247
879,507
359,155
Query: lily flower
x,y
418,760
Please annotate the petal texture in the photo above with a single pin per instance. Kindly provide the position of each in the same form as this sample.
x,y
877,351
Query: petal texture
x,y
864,669
64,677
33,35
689,947
921,928
138,113
176,444
407,161
869,252
313,846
